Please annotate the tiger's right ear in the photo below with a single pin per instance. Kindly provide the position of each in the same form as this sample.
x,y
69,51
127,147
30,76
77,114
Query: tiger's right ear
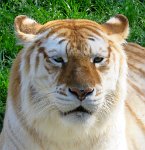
x,y
26,28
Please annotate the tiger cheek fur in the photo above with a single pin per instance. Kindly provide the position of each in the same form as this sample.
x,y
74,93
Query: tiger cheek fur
x,y
68,86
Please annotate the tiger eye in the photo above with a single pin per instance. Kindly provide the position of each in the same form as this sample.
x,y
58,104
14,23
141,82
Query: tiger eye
x,y
98,59
59,60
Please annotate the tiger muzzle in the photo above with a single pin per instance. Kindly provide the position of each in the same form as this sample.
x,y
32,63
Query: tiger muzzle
x,y
81,94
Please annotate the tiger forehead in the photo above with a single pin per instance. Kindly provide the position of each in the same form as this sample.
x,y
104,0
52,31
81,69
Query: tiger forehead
x,y
73,38
70,24
77,42
71,29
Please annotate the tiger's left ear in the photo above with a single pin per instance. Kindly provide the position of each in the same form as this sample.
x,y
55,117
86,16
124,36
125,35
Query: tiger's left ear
x,y
117,28
26,28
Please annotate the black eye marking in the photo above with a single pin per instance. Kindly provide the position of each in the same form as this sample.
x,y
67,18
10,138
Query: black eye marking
x,y
61,41
59,60
98,59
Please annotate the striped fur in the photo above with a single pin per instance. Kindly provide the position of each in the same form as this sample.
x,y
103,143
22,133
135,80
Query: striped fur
x,y
59,59
135,103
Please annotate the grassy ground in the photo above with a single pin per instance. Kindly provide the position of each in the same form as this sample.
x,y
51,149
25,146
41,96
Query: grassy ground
x,y
46,10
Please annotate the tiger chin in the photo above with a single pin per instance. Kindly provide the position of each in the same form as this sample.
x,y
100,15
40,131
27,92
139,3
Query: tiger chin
x,y
67,86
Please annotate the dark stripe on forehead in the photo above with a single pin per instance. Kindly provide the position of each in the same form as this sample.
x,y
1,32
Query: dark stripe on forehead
x,y
60,31
83,33
50,33
92,31
61,41
79,23
65,31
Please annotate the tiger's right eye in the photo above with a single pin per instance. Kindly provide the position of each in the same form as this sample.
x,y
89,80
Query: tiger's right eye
x,y
59,60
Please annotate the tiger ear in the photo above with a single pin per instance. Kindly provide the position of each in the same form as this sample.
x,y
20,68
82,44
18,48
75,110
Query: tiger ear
x,y
117,28
26,28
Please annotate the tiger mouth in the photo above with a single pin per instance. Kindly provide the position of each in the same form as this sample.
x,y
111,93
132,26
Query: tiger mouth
x,y
79,109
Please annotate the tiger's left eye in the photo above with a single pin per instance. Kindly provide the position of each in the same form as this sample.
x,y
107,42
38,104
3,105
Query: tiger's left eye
x,y
98,59
59,60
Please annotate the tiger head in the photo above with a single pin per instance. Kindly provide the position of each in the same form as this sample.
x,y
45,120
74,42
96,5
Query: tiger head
x,y
71,71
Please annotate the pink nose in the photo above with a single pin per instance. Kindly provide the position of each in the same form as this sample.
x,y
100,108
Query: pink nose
x,y
81,93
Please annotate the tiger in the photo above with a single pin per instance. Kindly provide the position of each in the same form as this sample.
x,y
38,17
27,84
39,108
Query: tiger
x,y
75,85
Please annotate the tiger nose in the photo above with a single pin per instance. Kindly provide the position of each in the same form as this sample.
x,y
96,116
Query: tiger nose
x,y
81,94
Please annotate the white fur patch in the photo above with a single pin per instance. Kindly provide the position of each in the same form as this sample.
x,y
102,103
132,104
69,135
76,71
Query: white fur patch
x,y
28,21
99,48
114,20
54,49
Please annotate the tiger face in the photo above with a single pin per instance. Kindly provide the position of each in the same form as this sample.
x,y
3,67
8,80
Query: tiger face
x,y
72,71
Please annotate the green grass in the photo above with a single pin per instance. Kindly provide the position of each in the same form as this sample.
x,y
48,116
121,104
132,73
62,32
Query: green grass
x,y
46,10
